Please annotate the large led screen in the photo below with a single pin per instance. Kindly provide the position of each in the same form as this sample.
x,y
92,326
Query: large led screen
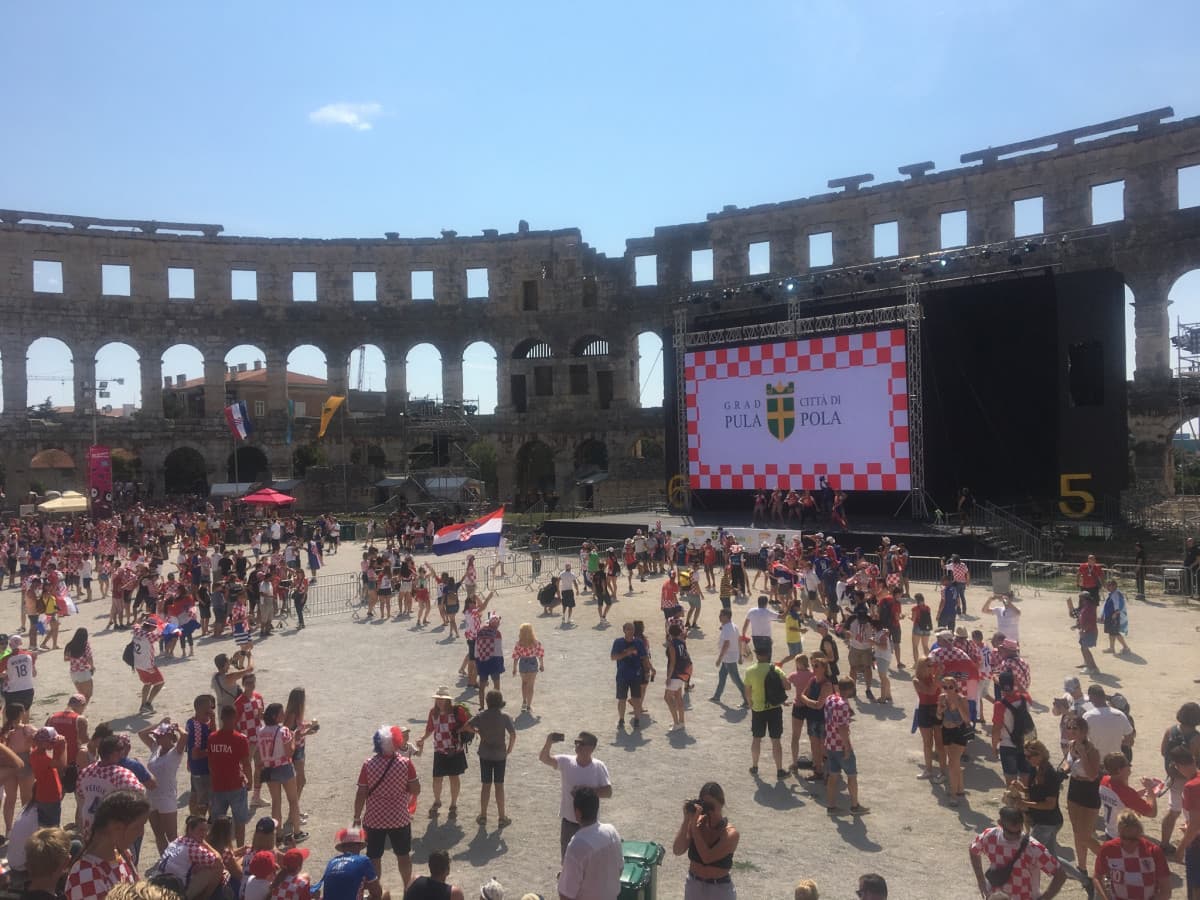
x,y
782,415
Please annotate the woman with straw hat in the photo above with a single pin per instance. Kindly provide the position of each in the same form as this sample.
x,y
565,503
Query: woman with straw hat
x,y
449,757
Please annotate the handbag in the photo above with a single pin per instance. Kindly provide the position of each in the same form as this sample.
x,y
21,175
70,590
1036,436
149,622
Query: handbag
x,y
998,876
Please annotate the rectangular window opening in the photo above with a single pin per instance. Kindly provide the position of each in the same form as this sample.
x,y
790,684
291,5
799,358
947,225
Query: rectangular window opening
x,y
304,287
604,389
114,280
645,271
260,408
181,283
47,276
243,284
954,229
702,265
887,239
820,249
1027,216
543,381
579,379
422,284
517,384
363,287
759,258
1108,202
477,284
591,292
1189,187
529,296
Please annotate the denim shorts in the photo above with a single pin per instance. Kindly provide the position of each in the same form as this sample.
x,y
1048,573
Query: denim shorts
x,y
278,774
231,803
838,762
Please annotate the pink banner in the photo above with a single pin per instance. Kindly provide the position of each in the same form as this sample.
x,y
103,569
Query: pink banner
x,y
100,481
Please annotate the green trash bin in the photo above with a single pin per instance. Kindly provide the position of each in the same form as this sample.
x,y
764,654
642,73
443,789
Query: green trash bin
x,y
347,530
635,882
649,855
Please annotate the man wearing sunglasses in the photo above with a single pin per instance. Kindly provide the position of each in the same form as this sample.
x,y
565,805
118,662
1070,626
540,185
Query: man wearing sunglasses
x,y
580,770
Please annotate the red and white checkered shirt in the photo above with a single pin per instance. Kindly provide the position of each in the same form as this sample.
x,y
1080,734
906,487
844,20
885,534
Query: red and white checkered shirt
x,y
91,878
959,573
669,596
487,643
1132,876
82,663
292,887
445,730
1020,670
837,716
953,660
186,855
1026,874
387,804
249,708
534,651
96,782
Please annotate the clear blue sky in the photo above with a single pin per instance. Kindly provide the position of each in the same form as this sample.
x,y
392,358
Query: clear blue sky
x,y
335,120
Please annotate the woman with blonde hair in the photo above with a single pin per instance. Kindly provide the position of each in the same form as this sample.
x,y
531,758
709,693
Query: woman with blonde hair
x,y
925,683
806,890
955,719
528,659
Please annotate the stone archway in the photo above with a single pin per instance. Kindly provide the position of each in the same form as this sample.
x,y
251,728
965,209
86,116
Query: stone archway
x,y
534,472
185,472
252,465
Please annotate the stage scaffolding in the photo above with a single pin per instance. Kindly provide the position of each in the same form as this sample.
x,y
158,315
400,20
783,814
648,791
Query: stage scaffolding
x,y
909,314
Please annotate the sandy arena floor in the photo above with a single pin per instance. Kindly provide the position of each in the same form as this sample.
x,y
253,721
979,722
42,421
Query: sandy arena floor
x,y
360,675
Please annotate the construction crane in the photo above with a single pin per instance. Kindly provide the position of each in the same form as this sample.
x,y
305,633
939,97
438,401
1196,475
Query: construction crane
x,y
362,365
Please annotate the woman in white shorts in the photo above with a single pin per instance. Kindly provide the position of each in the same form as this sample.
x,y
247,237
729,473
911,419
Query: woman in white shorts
x,y
167,744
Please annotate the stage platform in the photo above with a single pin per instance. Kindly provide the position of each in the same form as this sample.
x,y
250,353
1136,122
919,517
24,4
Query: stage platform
x,y
921,539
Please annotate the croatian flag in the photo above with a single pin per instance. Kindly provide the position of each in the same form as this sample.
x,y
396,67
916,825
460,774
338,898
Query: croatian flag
x,y
483,532
237,417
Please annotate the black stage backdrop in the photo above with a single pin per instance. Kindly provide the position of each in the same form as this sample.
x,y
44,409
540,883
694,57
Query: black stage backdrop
x,y
1024,383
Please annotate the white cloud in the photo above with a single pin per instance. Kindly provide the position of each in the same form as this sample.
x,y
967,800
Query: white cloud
x,y
358,116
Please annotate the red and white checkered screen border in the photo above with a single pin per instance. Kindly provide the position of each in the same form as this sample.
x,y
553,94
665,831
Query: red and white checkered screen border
x,y
845,351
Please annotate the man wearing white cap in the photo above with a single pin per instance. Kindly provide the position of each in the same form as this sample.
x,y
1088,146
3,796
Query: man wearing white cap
x,y
18,670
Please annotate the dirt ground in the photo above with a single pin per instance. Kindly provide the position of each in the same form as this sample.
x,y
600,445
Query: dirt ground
x,y
360,675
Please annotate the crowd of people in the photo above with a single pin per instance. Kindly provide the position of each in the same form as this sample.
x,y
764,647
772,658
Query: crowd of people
x,y
169,579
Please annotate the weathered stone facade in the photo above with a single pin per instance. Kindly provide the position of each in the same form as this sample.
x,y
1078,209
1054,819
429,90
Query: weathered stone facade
x,y
551,288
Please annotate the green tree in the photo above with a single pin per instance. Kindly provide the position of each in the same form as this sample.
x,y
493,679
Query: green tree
x,y
308,455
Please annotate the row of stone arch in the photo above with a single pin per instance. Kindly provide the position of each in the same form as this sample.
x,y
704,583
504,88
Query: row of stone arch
x,y
50,368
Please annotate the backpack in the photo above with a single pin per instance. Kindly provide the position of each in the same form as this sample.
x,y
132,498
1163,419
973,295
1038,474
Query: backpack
x,y
129,656
774,690
463,715
1023,727
1176,737
925,618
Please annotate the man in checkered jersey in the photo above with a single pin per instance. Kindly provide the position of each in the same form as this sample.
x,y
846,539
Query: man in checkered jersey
x,y
1129,867
103,777
1000,845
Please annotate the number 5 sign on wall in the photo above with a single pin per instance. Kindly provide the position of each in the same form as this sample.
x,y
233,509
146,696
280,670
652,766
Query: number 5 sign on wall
x,y
1074,501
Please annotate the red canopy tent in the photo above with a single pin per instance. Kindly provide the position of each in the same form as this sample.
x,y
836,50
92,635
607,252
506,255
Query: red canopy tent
x,y
268,497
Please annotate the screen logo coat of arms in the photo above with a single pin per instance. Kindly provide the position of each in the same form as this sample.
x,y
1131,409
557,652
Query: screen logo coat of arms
x,y
781,409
